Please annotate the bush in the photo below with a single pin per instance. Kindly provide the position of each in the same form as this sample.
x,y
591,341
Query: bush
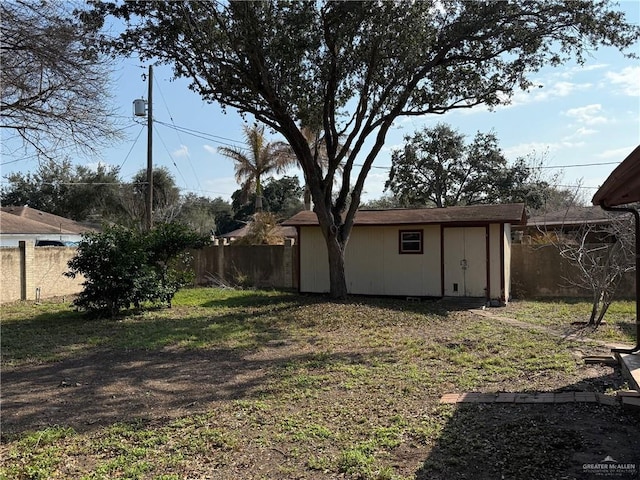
x,y
124,268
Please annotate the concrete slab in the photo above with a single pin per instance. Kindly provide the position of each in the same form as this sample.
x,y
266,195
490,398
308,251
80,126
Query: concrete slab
x,y
630,364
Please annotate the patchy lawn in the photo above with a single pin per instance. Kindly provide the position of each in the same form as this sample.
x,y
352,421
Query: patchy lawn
x,y
571,315
271,385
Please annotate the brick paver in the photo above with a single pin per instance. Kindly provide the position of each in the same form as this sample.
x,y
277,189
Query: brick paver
x,y
607,399
631,402
506,397
588,397
540,397
565,397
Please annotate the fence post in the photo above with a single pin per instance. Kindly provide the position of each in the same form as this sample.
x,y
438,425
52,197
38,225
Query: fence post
x,y
221,268
27,264
287,263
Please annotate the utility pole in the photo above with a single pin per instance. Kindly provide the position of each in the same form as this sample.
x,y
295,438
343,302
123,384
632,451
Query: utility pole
x,y
149,199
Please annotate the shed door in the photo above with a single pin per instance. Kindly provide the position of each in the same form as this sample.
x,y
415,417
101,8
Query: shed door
x,y
465,262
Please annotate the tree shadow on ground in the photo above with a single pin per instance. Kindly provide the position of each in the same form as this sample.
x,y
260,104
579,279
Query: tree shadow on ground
x,y
534,441
629,328
101,388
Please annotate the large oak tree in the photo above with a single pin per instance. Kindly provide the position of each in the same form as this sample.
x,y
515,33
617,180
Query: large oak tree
x,y
437,167
352,68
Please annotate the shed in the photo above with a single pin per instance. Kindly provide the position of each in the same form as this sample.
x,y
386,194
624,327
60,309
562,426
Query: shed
x,y
426,252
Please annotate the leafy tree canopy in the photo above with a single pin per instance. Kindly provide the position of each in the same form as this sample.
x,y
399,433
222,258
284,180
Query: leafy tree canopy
x,y
62,189
352,68
436,167
130,211
205,215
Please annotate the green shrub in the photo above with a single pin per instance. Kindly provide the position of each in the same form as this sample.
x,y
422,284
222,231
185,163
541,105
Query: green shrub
x,y
123,267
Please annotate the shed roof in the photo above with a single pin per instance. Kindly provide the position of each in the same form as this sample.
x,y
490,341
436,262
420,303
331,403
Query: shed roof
x,y
31,220
474,214
623,185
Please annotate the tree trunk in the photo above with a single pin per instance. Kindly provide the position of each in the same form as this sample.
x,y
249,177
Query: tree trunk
x,y
336,243
307,198
594,308
337,278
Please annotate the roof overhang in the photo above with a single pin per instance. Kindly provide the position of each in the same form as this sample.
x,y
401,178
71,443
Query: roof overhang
x,y
460,215
623,185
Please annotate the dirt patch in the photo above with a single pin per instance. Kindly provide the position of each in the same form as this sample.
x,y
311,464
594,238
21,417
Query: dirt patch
x,y
108,387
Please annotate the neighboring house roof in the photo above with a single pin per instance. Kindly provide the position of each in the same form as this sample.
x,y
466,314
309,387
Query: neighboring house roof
x,y
571,216
473,214
13,224
623,185
286,232
29,220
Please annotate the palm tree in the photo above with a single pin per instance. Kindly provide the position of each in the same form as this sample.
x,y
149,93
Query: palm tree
x,y
259,159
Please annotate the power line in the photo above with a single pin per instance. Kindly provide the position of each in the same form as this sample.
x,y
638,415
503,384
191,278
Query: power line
x,y
579,165
195,175
206,136
172,160
131,149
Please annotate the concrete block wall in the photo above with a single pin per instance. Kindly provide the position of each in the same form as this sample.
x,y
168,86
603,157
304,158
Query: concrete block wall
x,y
29,273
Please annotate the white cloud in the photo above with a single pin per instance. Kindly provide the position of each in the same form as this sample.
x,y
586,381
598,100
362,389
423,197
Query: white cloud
x,y
587,115
578,69
627,80
539,149
374,185
580,133
539,92
524,149
583,131
616,153
391,148
563,89
182,152
210,149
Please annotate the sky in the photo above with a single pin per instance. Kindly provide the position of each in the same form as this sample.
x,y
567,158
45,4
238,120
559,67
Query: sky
x,y
580,121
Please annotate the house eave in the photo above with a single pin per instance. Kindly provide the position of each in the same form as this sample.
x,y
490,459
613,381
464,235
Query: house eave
x,y
623,185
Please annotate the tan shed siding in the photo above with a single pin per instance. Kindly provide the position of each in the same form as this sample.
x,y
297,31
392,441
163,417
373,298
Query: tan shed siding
x,y
507,261
314,261
495,290
426,267
365,260
374,265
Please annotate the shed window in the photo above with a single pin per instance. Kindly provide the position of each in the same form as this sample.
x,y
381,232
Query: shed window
x,y
411,241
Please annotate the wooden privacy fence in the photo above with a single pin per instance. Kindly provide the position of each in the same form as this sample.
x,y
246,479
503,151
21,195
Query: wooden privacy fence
x,y
260,266
540,271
